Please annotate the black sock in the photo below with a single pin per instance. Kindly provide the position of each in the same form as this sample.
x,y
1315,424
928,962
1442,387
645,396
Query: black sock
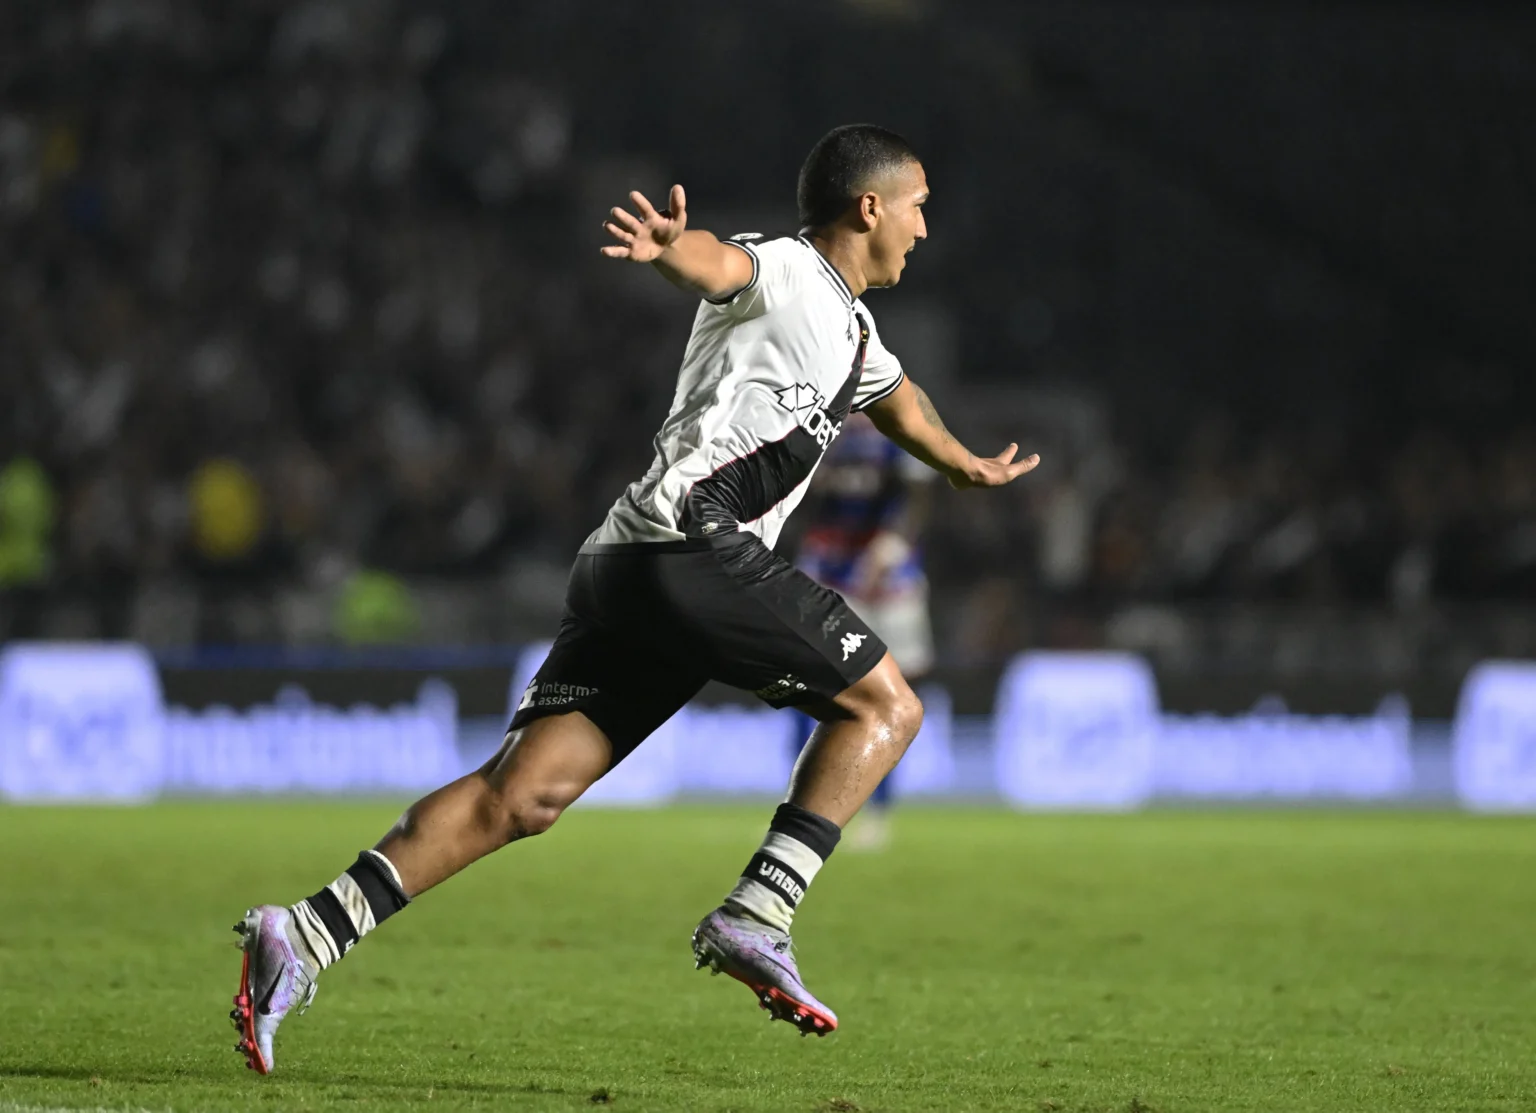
x,y
347,909
777,876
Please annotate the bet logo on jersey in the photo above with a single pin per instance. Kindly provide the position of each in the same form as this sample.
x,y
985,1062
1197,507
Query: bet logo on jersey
x,y
810,409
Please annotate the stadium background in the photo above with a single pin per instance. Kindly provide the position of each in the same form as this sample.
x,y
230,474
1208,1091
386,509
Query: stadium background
x,y
311,374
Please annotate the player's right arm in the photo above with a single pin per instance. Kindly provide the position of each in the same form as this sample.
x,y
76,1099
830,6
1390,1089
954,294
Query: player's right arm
x,y
695,261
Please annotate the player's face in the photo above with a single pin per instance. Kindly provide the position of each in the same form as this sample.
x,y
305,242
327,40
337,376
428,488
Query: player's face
x,y
901,224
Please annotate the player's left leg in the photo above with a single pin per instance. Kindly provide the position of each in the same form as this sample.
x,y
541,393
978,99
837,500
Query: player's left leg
x,y
539,771
597,697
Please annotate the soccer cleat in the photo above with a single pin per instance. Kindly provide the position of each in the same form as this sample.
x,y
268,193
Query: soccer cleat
x,y
273,978
760,957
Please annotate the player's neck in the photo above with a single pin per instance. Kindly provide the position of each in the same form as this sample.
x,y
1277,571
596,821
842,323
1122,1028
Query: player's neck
x,y
843,253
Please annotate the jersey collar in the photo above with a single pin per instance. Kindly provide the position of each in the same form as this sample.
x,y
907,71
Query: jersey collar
x,y
837,279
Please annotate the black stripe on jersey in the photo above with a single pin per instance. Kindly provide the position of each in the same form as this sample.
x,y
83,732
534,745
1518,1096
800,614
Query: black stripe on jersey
x,y
832,271
838,407
749,486
886,393
687,545
751,254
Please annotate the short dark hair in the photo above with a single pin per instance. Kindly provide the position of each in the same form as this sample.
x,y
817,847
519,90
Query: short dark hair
x,y
842,165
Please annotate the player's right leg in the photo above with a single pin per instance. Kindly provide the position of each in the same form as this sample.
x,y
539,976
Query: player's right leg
x,y
902,622
863,732
541,768
765,626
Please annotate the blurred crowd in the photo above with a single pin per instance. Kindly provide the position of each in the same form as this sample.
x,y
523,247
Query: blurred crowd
x,y
290,291
283,293
1283,517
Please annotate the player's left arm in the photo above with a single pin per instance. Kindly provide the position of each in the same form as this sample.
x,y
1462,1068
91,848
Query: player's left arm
x,y
907,416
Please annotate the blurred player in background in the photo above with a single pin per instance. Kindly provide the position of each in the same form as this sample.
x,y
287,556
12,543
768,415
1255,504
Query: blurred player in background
x,y
868,506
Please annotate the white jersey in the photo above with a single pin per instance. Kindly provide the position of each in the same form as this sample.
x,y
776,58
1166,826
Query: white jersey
x,y
767,380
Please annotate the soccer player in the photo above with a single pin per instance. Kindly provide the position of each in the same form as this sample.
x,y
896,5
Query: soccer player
x,y
680,584
867,506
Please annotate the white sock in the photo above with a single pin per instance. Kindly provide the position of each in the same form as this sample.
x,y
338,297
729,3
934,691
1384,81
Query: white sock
x,y
775,881
331,922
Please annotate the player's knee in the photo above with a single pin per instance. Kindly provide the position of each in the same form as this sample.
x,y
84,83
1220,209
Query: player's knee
x,y
904,715
533,817
896,714
520,815
887,703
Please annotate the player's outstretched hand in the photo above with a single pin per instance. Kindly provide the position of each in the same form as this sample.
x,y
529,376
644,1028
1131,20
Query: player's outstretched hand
x,y
994,471
642,238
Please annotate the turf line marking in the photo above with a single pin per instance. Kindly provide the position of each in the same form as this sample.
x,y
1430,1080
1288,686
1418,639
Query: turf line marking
x,y
12,1107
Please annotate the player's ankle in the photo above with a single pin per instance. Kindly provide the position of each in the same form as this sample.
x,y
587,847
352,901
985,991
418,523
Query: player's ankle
x,y
330,923
771,887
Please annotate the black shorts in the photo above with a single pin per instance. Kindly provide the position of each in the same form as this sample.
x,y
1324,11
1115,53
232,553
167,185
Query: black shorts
x,y
646,625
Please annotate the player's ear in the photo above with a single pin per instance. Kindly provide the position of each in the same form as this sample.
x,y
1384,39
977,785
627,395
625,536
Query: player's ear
x,y
869,210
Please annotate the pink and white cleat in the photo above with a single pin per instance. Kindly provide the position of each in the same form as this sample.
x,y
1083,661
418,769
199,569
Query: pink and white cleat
x,y
760,957
273,979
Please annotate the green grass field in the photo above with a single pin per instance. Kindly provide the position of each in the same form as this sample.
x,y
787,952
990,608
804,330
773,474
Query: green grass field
x,y
989,961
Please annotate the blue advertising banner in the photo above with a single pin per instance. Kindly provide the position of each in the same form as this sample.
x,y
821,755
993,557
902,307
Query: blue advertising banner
x,y
1071,730
1495,737
1270,752
296,745
1076,730
80,722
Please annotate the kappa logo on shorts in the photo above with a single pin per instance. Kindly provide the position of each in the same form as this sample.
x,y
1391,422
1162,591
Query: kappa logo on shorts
x,y
830,624
851,643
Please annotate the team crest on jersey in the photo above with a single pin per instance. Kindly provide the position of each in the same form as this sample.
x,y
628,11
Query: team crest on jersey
x,y
810,410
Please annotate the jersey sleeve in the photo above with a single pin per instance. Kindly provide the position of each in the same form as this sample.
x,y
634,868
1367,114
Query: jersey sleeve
x,y
775,278
882,370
